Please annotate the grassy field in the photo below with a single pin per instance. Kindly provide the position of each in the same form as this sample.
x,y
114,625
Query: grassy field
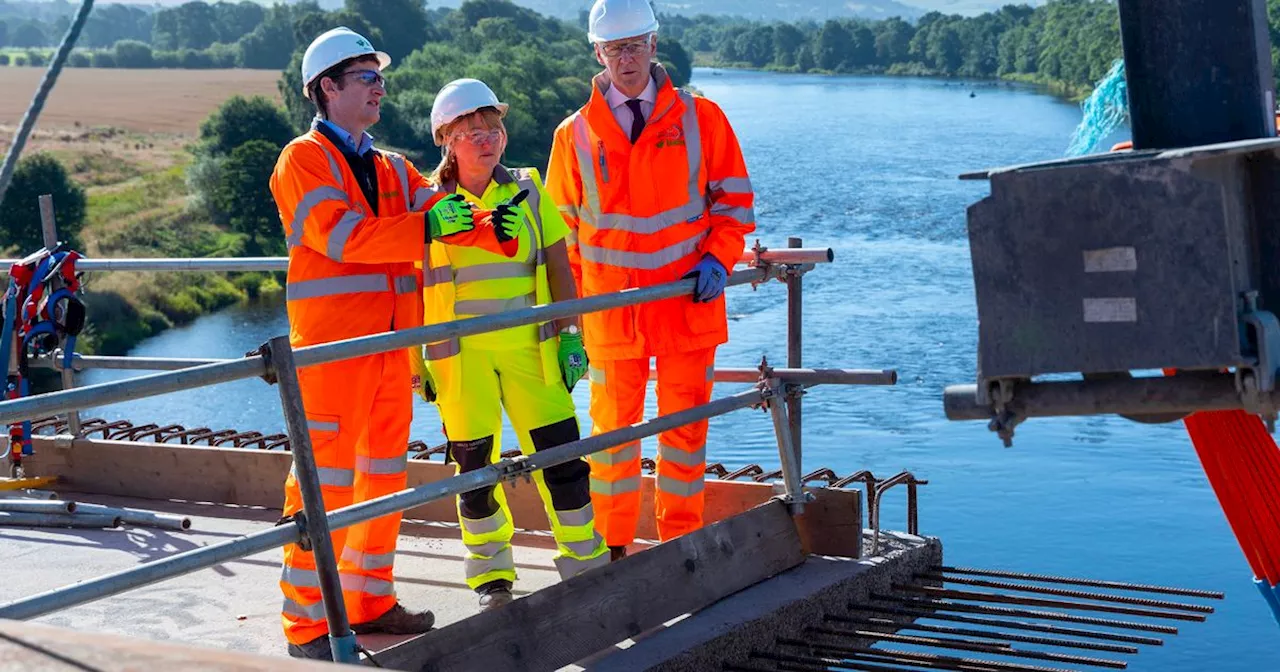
x,y
126,136
143,101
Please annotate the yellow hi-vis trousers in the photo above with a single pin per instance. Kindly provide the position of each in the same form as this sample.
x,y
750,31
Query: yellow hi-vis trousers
x,y
543,417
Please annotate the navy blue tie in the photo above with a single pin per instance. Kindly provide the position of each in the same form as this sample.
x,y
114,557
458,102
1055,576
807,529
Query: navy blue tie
x,y
637,119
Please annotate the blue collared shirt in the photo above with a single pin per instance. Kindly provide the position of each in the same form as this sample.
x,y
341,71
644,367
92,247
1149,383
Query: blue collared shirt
x,y
366,140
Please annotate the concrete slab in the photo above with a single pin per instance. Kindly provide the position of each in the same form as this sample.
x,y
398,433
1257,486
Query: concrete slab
x,y
234,606
753,619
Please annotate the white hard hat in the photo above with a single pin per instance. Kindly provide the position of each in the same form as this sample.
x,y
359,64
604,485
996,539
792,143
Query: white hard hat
x,y
460,98
619,19
332,48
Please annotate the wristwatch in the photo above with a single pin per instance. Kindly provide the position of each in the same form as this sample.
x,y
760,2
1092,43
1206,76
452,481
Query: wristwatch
x,y
571,330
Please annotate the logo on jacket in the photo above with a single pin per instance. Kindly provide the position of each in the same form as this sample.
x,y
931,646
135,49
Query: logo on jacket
x,y
671,137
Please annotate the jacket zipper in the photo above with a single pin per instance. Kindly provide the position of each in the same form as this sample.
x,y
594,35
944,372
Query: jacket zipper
x,y
604,167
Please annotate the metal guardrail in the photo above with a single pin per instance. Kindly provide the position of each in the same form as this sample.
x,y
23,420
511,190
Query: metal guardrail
x,y
276,362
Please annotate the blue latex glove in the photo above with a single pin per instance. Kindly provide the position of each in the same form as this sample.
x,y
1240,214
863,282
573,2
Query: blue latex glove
x,y
711,279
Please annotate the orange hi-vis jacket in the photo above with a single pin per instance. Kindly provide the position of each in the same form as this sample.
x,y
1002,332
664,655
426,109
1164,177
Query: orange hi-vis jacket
x,y
351,273
644,214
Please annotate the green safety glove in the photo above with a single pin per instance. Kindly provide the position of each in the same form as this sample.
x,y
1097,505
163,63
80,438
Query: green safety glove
x,y
420,377
573,357
508,218
450,216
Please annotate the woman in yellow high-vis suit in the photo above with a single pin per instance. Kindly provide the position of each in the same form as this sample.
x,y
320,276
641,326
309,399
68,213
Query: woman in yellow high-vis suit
x,y
527,370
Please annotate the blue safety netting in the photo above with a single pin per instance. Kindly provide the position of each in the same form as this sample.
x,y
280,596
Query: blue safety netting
x,y
1105,110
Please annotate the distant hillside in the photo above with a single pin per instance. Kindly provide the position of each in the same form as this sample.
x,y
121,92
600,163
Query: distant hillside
x,y
777,10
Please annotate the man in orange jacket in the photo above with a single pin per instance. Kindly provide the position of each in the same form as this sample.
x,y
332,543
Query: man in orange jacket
x,y
356,219
654,188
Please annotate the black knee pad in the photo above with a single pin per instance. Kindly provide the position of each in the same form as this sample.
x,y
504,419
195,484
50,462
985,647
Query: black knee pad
x,y
470,456
568,483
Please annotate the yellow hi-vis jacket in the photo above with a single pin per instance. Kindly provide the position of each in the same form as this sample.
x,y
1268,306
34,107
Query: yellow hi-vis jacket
x,y
461,282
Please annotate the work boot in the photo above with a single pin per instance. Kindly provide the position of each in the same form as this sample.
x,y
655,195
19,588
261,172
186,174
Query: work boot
x,y
494,594
617,553
317,649
397,621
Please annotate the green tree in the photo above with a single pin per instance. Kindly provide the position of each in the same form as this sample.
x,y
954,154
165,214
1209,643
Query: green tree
x,y
4,34
893,41
133,54
35,175
786,41
676,60
834,45
755,46
243,195
240,120
28,34
403,23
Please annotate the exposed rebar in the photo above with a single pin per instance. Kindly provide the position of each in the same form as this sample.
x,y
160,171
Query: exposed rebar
x,y
1064,592
1117,585
1029,613
1005,623
977,596
958,644
986,634
945,662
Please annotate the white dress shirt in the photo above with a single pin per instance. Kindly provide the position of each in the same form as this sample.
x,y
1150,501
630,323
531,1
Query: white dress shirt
x,y
618,103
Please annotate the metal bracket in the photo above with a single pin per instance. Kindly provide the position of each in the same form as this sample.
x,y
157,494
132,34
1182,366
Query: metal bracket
x,y
1004,419
759,262
299,519
512,468
264,351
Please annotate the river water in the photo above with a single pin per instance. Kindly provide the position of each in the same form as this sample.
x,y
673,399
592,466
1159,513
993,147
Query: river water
x,y
868,166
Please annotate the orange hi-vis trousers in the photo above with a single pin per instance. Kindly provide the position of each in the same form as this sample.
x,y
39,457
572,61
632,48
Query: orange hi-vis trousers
x,y
358,412
617,400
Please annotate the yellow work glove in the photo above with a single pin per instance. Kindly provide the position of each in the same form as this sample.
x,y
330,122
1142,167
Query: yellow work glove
x,y
422,382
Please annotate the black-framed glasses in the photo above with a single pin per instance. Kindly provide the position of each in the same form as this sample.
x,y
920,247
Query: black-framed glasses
x,y
367,77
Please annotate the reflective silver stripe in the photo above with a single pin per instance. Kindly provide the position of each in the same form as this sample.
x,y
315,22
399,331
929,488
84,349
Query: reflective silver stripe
x,y
492,306
343,284
386,466
585,548
576,517
485,525
653,223
687,458
646,261
502,270
590,205
489,549
313,612
310,200
367,584
546,331
368,561
336,477
595,375
569,567
614,456
568,210
571,238
679,488
476,567
402,172
321,426
744,215
406,284
437,276
731,185
692,145
341,233
420,197
533,225
334,166
300,578
443,349
711,373
618,487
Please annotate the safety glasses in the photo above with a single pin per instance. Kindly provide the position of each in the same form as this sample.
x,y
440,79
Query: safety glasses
x,y
368,77
479,136
633,49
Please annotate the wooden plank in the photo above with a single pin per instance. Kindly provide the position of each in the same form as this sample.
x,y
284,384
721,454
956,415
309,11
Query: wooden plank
x,y
26,483
831,525
573,619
